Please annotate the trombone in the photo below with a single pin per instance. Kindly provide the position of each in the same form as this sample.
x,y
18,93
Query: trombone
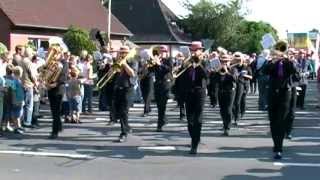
x,y
115,68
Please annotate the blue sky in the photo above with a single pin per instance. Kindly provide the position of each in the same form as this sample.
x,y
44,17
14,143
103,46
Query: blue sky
x,y
291,15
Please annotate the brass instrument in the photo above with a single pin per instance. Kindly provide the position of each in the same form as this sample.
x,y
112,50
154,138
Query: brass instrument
x,y
115,68
187,63
279,50
51,71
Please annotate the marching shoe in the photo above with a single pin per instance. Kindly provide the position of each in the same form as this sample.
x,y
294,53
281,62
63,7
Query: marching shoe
x,y
289,136
122,138
225,132
277,156
53,136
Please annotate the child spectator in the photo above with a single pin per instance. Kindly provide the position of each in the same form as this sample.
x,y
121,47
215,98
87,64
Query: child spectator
x,y
18,100
74,95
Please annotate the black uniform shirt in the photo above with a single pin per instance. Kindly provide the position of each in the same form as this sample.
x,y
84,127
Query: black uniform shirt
x,y
195,78
243,70
285,81
163,72
123,80
227,82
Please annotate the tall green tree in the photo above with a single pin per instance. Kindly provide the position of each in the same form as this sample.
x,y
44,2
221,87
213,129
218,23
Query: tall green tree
x,y
225,24
78,39
250,34
213,20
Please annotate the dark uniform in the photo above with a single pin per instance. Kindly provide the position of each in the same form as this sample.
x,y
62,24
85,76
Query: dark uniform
x,y
242,88
213,88
293,103
280,95
226,94
146,84
162,86
195,84
180,94
121,99
106,94
303,65
55,100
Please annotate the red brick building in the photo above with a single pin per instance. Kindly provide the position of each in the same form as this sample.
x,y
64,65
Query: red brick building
x,y
22,21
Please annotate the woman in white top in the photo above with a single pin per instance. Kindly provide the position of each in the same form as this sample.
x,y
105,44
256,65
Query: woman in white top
x,y
88,84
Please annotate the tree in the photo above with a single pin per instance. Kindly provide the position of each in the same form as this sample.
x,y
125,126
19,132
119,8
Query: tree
x,y
213,20
225,24
250,34
77,40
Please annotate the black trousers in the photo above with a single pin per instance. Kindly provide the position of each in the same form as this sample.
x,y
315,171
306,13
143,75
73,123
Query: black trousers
x,y
253,85
55,100
146,89
302,95
213,90
226,99
195,100
243,103
292,109
103,98
240,92
120,107
181,104
279,105
161,95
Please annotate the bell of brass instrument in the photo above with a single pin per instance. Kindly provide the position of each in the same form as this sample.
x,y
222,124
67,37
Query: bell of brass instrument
x,y
52,69
115,68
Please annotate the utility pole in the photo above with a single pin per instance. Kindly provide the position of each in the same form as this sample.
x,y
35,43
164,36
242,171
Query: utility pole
x,y
109,22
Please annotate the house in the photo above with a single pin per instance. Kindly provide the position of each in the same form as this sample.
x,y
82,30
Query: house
x,y
23,21
151,22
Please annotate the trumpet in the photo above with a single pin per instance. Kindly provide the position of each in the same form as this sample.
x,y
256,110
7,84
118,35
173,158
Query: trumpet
x,y
115,68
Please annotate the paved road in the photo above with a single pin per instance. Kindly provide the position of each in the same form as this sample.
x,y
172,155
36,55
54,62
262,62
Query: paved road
x,y
245,155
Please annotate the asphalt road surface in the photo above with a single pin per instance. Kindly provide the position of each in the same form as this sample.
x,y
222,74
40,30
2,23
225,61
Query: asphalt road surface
x,y
89,151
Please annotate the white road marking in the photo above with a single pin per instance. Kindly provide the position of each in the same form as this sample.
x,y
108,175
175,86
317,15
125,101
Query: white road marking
x,y
309,154
47,154
296,164
306,138
158,148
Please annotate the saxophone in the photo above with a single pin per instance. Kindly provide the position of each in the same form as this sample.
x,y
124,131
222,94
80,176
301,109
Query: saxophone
x,y
51,71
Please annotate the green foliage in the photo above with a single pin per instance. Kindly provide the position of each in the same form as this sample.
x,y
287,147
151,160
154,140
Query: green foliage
x,y
77,40
249,36
225,24
3,49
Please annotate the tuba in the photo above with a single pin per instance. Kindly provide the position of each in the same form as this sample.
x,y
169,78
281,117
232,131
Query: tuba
x,y
51,71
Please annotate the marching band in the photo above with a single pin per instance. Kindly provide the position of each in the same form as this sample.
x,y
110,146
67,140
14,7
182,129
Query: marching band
x,y
223,76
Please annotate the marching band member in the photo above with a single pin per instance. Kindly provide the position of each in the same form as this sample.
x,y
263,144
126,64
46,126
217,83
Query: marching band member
x,y
293,103
122,91
195,84
303,65
244,77
146,83
178,88
227,85
280,70
213,74
55,91
162,85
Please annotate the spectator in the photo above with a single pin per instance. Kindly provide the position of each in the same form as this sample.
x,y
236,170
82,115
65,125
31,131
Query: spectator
x,y
88,85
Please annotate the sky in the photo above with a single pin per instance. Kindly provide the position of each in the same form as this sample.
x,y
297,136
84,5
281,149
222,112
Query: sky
x,y
284,15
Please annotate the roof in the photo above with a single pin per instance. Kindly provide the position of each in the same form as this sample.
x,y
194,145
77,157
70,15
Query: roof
x,y
61,14
151,21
